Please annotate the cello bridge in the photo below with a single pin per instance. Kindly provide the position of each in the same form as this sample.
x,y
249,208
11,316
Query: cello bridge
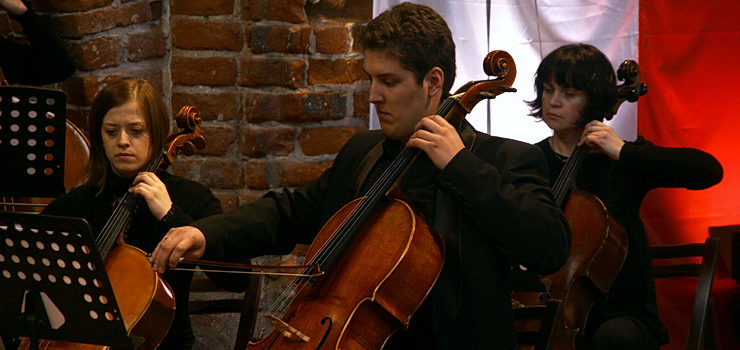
x,y
287,330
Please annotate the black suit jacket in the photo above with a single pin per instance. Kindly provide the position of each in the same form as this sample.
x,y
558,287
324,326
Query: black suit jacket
x,y
507,212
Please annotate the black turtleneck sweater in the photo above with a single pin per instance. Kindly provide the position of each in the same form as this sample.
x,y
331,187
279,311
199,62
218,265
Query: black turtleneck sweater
x,y
191,201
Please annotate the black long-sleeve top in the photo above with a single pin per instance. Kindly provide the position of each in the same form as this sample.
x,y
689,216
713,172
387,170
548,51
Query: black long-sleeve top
x,y
44,61
622,185
508,215
191,201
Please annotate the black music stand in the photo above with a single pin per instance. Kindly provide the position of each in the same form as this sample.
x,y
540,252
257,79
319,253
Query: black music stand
x,y
32,136
54,283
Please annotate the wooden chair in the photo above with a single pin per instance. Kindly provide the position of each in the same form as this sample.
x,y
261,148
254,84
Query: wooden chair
x,y
701,331
535,324
246,305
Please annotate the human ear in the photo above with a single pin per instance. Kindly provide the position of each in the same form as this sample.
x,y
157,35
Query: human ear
x,y
435,79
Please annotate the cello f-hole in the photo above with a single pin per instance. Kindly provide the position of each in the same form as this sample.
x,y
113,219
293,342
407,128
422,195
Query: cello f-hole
x,y
328,330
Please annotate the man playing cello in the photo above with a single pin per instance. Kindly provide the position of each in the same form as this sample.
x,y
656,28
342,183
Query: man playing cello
x,y
507,214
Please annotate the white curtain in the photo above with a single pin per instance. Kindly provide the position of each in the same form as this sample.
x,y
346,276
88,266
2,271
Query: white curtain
x,y
529,30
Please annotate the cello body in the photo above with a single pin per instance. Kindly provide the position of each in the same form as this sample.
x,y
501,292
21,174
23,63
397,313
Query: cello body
x,y
598,250
395,250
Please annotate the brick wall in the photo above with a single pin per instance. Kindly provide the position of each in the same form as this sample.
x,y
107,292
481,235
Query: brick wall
x,y
279,82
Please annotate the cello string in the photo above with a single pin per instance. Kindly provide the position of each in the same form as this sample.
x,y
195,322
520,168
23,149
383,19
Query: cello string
x,y
567,176
347,226
378,189
121,215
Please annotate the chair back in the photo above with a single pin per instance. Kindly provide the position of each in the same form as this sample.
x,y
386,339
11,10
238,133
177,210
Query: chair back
x,y
208,298
701,331
535,324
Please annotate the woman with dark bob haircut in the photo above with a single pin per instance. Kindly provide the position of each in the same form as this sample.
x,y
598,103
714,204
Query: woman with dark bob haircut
x,y
576,90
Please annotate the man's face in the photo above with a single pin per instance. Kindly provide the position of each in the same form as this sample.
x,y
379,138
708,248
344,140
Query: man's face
x,y
399,100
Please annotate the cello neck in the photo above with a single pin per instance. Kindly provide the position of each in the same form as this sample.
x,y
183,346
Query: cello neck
x,y
567,177
122,214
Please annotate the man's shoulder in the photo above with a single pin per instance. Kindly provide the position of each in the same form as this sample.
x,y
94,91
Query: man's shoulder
x,y
363,142
370,137
485,141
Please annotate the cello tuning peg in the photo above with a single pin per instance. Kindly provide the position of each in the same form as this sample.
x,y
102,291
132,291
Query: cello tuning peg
x,y
501,89
187,148
199,142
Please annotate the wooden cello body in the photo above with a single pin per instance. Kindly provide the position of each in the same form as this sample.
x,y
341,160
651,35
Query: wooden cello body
x,y
598,250
342,311
381,259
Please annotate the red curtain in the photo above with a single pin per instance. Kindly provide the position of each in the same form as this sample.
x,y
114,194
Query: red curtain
x,y
690,60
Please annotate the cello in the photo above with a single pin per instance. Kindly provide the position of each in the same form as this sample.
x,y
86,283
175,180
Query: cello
x,y
146,302
372,250
599,243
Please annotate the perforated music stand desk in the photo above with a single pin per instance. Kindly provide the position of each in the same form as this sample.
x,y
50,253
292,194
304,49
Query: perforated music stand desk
x,y
32,141
54,283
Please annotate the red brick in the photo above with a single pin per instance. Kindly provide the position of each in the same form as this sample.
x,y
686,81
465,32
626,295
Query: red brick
x,y
295,173
68,6
323,105
218,139
212,106
146,45
201,34
98,53
339,71
280,38
261,71
340,10
259,142
213,70
229,199
222,173
304,106
77,25
274,10
255,171
188,168
361,100
326,140
80,118
202,7
259,107
149,70
332,39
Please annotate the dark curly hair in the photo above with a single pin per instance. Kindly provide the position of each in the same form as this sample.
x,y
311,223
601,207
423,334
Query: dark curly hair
x,y
418,36
585,68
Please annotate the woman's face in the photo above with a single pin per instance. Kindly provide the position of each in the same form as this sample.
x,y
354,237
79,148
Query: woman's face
x,y
126,139
562,107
